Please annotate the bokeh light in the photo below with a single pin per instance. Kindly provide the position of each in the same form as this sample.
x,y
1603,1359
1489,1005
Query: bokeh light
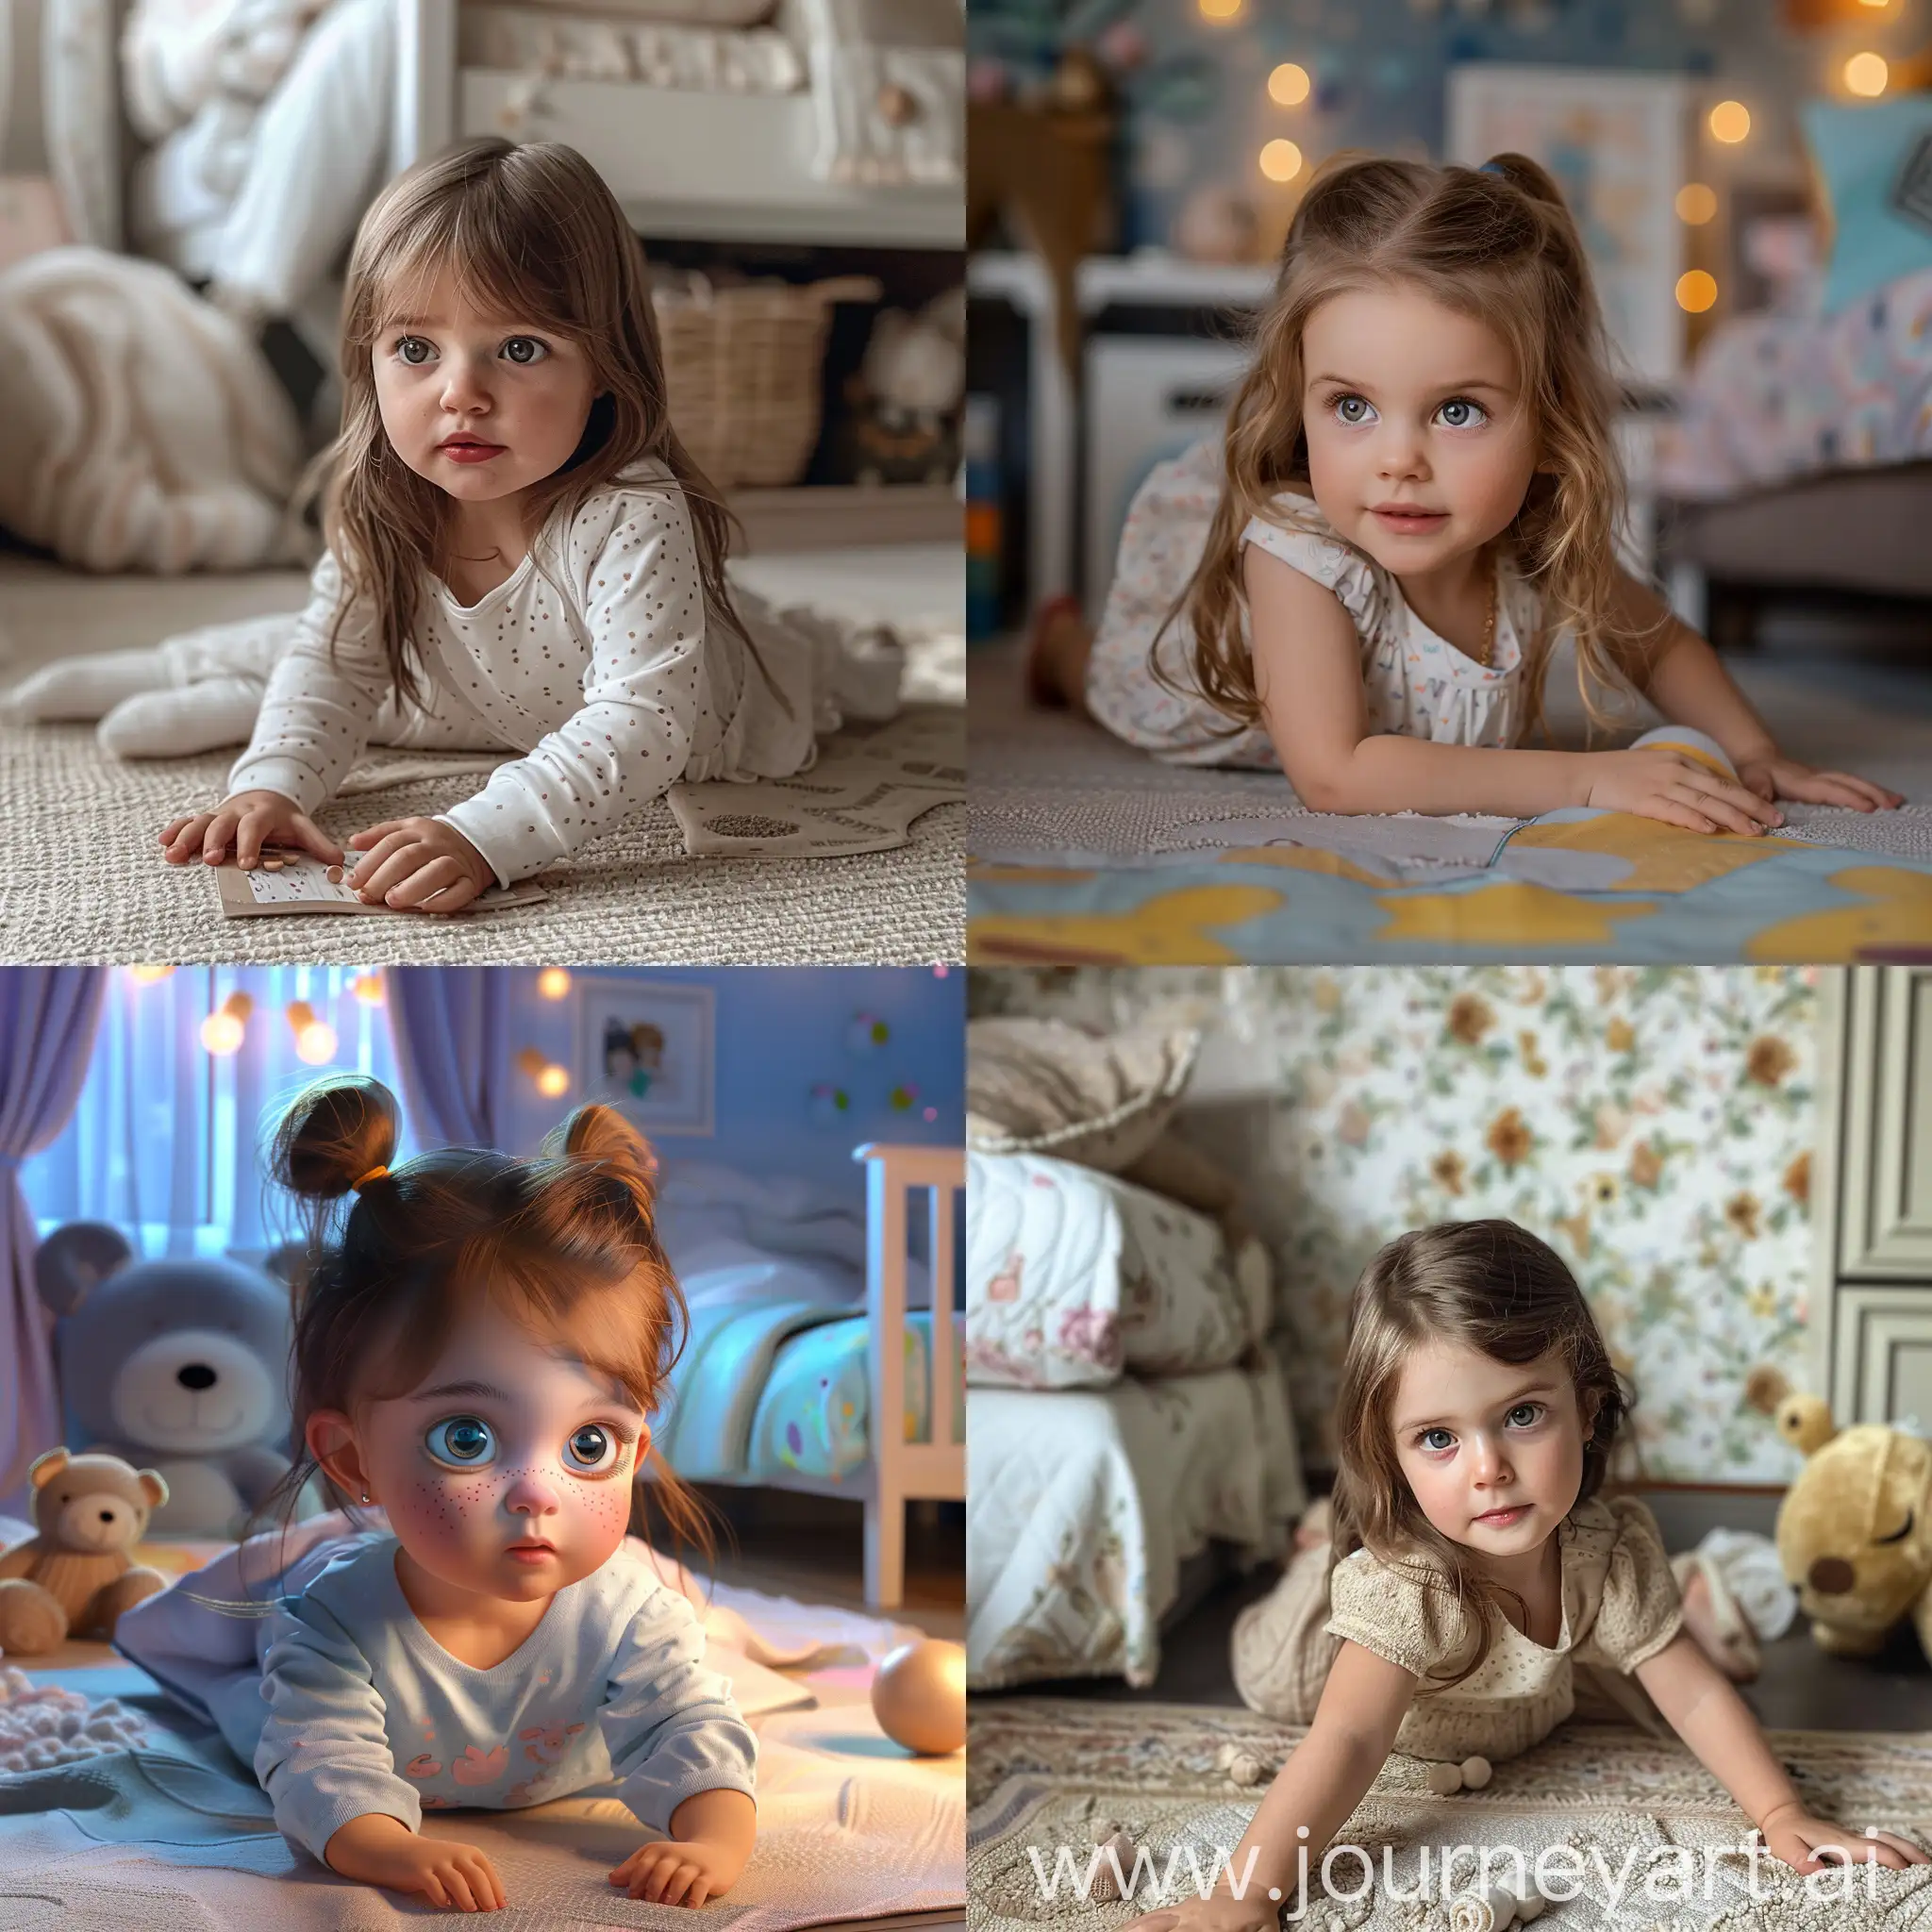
x,y
1219,10
1696,290
1730,120
1288,86
552,983
147,975
1281,160
221,1033
1867,76
315,1043
553,1083
1696,204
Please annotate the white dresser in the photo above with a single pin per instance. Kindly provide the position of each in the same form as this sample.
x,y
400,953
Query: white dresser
x,y
1872,1195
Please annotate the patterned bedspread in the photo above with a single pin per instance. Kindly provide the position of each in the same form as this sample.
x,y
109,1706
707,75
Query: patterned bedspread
x,y
1775,397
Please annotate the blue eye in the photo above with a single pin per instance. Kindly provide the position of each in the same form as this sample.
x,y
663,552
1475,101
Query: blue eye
x,y
1470,414
593,1447
1525,1415
524,350
1429,1442
406,347
460,1440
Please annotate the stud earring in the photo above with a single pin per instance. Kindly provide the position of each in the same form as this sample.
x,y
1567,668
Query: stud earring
x,y
365,1495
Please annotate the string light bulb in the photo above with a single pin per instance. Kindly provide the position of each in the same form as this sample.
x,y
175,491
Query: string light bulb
x,y
223,1030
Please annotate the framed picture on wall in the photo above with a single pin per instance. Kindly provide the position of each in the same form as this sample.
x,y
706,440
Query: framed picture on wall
x,y
646,1047
1616,143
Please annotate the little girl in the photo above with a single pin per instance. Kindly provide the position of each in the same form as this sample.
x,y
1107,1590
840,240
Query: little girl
x,y
522,557
1417,490
1475,1571
476,1355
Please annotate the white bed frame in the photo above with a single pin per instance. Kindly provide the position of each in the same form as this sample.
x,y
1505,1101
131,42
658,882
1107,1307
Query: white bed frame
x,y
717,167
900,1472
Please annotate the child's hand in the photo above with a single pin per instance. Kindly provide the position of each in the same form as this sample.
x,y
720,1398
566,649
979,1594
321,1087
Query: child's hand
x,y
420,865
1659,783
243,824
674,1872
1776,777
1810,1844
1257,1913
381,1850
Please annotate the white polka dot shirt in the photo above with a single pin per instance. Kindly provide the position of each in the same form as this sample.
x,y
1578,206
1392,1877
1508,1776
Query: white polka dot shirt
x,y
593,660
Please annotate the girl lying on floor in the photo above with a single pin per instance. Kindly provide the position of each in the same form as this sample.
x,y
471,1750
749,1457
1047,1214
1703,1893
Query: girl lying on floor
x,y
1475,1571
476,1354
1417,493
522,556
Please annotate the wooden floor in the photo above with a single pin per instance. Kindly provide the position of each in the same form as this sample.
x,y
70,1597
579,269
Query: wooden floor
x,y
1799,1689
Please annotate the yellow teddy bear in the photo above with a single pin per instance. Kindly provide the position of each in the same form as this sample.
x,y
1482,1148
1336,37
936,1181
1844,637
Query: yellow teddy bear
x,y
1855,1528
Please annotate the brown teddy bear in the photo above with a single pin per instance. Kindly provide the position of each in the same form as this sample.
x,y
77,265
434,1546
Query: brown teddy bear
x,y
1855,1528
75,1577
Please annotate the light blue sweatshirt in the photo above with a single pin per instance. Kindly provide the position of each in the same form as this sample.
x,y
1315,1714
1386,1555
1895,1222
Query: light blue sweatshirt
x,y
368,1712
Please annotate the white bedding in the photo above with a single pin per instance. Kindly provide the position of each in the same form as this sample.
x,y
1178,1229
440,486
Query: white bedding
x,y
1087,1502
1073,1276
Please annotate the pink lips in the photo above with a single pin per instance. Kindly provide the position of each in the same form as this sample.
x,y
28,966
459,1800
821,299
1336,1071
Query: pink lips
x,y
466,449
529,1553
1502,1519
1408,522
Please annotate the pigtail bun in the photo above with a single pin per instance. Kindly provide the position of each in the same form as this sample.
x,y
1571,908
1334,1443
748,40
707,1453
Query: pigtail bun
x,y
1531,176
335,1133
601,1134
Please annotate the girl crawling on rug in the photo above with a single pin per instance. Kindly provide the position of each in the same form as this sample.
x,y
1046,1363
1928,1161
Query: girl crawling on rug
x,y
1417,493
476,1353
1475,1572
522,556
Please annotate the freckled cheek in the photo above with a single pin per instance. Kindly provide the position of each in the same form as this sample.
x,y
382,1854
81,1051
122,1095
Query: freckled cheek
x,y
436,1511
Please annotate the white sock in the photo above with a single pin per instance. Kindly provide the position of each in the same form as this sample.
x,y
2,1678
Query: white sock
x,y
78,688
177,724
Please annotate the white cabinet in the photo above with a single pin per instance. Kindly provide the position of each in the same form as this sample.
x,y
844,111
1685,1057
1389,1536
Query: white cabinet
x,y
1873,1194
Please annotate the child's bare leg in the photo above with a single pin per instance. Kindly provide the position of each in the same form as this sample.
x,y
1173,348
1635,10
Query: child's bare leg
x,y
1057,649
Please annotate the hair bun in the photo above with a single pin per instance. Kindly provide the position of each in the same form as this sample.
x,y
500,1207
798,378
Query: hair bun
x,y
601,1134
335,1130
1532,177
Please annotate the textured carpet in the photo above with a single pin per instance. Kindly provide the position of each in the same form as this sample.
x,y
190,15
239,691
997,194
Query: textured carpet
x,y
1049,787
1048,1774
84,880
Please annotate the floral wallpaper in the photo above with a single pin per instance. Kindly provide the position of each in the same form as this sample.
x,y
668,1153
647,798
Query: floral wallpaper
x,y
1655,1124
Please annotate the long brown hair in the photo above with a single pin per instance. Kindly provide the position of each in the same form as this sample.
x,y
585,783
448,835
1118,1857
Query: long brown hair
x,y
1496,243
1490,1285
529,231
567,1234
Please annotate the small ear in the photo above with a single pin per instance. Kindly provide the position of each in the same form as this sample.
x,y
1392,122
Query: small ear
x,y
153,1486
45,1468
1805,1420
73,1260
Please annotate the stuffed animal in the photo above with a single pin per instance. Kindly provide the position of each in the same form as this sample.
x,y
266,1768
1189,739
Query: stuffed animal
x,y
178,1365
904,398
1855,1528
76,1576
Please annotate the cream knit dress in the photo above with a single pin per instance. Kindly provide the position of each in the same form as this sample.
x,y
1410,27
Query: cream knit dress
x,y
1621,1607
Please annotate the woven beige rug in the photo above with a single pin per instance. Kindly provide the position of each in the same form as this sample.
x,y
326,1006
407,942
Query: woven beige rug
x,y
84,878
1654,1840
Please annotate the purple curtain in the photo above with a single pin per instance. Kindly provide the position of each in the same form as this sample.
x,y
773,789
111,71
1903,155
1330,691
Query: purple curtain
x,y
47,1019
447,1024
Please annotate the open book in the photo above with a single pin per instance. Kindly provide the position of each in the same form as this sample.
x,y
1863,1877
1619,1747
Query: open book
x,y
287,881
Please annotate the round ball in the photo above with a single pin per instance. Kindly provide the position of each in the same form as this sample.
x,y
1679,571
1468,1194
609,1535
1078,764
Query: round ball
x,y
1476,1773
1530,1904
1445,1780
918,1696
1242,1769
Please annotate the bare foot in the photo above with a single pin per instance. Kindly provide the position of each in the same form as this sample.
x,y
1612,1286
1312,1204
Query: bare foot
x,y
1738,1659
1057,653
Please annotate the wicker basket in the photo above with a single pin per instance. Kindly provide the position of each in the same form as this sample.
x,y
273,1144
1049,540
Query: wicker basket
x,y
743,366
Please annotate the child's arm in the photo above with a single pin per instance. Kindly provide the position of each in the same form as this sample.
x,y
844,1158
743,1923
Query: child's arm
x,y
326,1762
1307,674
1687,681
1361,1709
628,743
315,718
1704,1709
684,1753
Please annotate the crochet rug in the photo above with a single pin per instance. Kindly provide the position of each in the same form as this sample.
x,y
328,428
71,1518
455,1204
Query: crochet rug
x,y
84,880
42,1725
1047,1773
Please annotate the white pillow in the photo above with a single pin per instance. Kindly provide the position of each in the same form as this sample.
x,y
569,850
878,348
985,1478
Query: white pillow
x,y
727,13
